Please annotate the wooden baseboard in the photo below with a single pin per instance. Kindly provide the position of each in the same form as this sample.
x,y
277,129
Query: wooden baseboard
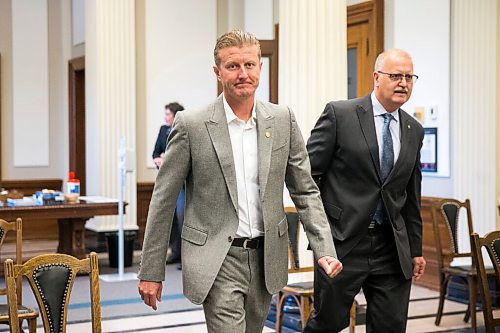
x,y
30,186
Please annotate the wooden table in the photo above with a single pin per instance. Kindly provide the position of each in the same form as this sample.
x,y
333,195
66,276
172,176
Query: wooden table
x,y
71,221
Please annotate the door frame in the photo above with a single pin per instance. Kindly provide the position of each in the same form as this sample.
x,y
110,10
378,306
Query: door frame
x,y
372,13
76,120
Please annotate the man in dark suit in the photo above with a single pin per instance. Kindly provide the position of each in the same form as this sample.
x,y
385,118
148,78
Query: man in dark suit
x,y
365,157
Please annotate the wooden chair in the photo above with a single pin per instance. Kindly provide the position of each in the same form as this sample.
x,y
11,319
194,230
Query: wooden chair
x,y
24,313
448,249
51,277
301,292
491,242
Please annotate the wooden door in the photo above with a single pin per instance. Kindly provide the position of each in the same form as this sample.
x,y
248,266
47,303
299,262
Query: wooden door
x,y
76,82
359,71
365,33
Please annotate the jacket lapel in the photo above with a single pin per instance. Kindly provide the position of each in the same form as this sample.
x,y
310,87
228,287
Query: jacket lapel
x,y
365,116
219,134
265,136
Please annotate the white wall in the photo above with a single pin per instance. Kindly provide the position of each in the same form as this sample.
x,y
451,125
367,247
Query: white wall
x,y
30,83
423,29
51,158
178,65
259,18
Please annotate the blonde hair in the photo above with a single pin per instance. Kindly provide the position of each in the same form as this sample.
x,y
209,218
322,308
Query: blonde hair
x,y
236,38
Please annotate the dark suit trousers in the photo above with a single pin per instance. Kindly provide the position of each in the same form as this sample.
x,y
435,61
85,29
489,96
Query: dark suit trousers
x,y
372,265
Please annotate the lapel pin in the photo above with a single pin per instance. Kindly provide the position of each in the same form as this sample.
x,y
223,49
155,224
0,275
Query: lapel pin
x,y
268,134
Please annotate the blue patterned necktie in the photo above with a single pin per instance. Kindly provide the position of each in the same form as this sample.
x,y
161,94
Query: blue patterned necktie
x,y
386,163
387,160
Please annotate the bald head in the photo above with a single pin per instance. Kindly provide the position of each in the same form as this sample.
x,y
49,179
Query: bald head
x,y
390,53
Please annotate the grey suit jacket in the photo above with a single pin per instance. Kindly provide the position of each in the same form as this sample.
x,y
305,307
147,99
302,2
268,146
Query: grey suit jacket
x,y
345,162
199,153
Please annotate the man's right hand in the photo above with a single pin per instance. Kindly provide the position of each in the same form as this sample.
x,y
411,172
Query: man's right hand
x,y
150,292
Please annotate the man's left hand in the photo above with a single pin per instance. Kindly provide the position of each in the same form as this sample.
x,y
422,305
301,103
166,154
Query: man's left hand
x,y
418,267
330,265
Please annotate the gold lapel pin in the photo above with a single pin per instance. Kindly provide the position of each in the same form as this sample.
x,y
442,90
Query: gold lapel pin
x,y
268,134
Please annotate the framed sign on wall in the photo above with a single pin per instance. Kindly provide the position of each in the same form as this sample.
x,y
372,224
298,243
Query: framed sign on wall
x,y
428,153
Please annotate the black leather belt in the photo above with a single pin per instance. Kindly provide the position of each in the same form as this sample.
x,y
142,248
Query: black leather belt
x,y
249,243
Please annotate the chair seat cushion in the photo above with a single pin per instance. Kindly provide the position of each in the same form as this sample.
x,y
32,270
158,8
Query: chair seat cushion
x,y
299,286
466,270
4,310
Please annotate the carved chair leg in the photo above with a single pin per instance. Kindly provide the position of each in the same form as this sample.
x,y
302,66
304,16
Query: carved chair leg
x,y
472,302
442,293
305,305
352,315
467,313
32,325
20,326
280,302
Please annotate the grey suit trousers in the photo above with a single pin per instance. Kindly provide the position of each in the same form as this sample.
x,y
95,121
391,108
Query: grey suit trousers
x,y
238,301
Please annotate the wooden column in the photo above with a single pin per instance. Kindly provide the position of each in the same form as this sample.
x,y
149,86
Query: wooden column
x,y
110,79
474,108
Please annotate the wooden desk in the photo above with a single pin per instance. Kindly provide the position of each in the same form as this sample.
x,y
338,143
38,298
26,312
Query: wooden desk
x,y
71,220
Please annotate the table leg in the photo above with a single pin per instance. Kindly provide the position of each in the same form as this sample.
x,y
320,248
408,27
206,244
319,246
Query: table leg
x,y
72,237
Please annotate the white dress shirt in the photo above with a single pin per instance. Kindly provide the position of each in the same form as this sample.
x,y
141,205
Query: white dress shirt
x,y
378,111
243,137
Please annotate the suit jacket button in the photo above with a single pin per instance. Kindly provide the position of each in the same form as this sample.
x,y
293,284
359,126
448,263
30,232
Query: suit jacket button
x,y
230,239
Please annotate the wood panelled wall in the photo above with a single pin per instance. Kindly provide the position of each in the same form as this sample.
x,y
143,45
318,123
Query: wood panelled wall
x,y
40,236
431,277
144,193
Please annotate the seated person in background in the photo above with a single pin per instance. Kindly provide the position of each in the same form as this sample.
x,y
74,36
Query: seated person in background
x,y
160,146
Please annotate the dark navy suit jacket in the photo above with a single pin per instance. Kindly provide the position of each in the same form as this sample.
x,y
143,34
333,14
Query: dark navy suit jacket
x,y
161,141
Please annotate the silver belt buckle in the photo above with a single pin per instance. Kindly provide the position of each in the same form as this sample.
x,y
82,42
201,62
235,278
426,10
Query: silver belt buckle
x,y
245,244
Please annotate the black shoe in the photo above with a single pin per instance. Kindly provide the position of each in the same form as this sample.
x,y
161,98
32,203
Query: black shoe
x,y
179,267
173,259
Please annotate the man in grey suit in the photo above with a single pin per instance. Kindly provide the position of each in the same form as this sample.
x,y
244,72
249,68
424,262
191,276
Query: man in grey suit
x,y
235,156
365,157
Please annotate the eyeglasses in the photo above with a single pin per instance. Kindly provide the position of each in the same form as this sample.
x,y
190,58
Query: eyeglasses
x,y
410,78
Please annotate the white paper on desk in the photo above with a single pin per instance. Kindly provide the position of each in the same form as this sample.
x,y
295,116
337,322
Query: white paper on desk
x,y
97,199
